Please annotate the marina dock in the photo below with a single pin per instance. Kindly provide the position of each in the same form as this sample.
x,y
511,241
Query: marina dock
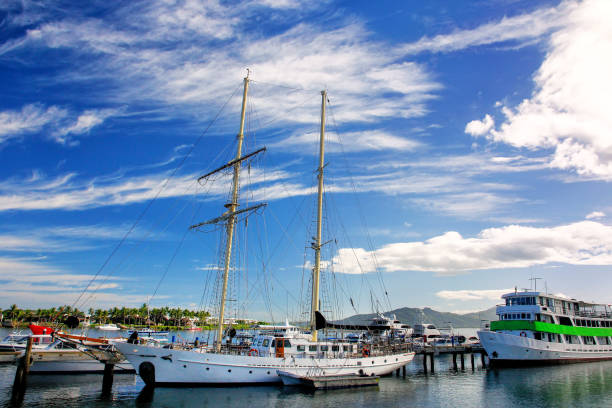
x,y
429,352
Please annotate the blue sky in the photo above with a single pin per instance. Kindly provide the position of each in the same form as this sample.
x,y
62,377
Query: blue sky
x,y
468,150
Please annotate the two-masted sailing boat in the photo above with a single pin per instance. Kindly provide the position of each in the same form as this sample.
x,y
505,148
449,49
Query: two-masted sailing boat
x,y
276,348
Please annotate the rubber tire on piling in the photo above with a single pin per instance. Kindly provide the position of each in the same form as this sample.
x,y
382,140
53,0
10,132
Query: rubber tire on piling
x,y
146,371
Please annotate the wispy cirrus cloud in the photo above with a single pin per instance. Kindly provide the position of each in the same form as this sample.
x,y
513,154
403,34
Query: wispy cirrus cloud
x,y
513,246
165,63
520,29
31,118
366,140
43,284
53,122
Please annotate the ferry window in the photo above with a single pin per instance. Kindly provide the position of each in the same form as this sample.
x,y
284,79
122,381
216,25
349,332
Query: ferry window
x,y
523,316
541,300
301,348
273,343
335,348
507,302
565,321
312,348
346,348
287,343
537,336
266,342
324,348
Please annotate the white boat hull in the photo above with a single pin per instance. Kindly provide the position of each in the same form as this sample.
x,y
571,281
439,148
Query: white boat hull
x,y
178,367
509,349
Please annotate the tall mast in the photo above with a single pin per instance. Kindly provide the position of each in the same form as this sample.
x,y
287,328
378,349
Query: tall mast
x,y
231,221
317,244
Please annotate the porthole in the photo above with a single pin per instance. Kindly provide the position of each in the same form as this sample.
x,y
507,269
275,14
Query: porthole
x,y
385,361
207,368
250,371
229,371
268,372
184,366
372,361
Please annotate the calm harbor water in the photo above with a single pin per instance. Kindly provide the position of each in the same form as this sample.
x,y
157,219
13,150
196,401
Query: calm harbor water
x,y
576,385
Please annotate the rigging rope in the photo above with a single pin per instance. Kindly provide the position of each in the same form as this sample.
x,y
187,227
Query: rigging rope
x,y
150,203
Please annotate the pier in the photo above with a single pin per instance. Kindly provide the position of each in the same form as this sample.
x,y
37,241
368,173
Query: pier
x,y
429,352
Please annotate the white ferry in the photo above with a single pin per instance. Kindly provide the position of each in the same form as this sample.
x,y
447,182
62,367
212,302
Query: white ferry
x,y
539,328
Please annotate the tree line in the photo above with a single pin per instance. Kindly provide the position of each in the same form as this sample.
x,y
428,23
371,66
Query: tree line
x,y
165,316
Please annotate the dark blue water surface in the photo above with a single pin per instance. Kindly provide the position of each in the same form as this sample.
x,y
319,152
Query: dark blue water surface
x,y
575,385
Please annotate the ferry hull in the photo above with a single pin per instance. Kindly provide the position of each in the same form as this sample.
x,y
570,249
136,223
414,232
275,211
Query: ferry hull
x,y
511,351
167,367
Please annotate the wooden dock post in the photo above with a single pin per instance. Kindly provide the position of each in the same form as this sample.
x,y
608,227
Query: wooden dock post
x,y
404,372
107,380
462,361
21,374
431,359
397,372
425,362
482,359
454,360
472,360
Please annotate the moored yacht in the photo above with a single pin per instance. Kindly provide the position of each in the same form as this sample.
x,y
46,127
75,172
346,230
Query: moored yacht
x,y
540,328
276,348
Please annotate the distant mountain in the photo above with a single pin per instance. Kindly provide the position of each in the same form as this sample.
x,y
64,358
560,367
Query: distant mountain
x,y
412,316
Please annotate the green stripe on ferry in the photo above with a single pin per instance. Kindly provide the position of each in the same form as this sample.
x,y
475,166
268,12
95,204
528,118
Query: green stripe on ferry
x,y
550,328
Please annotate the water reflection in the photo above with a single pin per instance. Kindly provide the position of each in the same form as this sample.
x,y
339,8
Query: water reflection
x,y
579,385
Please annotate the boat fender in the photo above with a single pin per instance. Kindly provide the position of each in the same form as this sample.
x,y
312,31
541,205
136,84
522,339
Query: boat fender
x,y
523,334
253,352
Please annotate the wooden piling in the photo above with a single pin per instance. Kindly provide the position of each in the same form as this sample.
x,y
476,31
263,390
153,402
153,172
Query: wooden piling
x,y
482,359
404,372
472,360
107,380
397,372
454,361
425,362
21,374
462,361
431,357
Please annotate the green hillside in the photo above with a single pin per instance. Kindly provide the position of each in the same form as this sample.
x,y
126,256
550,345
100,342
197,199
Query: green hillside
x,y
412,316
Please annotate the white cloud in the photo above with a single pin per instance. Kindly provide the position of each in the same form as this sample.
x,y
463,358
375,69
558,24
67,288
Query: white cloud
x,y
351,142
470,205
467,295
177,51
55,122
522,29
480,127
568,111
83,124
513,246
595,214
28,282
32,118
